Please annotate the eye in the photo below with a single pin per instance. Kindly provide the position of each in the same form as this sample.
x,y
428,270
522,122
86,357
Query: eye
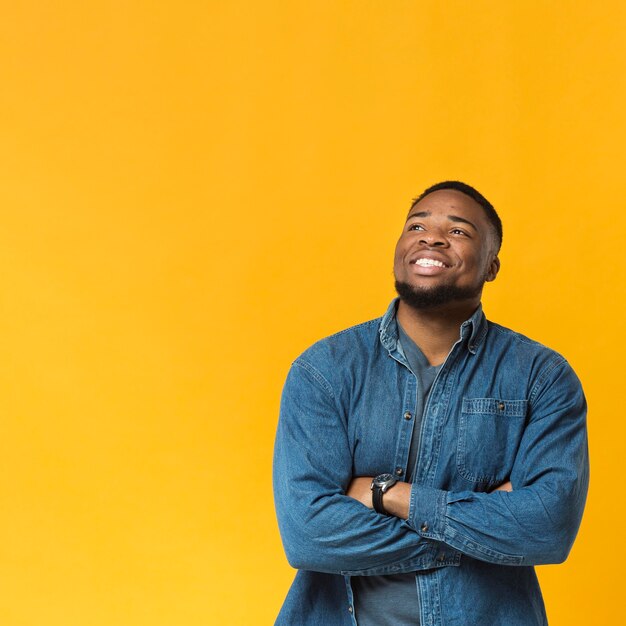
x,y
416,227
458,231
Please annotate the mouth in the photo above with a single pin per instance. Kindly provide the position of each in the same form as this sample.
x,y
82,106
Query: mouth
x,y
427,262
425,265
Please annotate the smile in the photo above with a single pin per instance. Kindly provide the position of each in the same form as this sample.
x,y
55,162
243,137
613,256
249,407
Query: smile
x,y
429,263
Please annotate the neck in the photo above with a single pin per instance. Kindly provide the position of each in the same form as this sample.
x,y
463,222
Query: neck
x,y
435,330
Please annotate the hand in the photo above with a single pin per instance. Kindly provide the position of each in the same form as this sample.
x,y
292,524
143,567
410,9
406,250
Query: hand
x,y
507,486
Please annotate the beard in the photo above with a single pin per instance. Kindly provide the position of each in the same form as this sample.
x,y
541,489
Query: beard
x,y
434,297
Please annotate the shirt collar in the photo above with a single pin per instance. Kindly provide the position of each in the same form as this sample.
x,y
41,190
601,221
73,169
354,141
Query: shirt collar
x,y
476,328
473,329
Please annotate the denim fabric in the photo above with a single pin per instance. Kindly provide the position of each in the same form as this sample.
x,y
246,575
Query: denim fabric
x,y
501,407
392,600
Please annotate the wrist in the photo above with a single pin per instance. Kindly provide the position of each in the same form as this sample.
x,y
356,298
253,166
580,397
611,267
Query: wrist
x,y
397,499
380,485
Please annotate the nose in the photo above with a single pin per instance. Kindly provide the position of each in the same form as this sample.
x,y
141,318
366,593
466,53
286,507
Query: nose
x,y
433,238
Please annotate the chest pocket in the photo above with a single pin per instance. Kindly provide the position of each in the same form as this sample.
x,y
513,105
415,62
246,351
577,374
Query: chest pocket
x,y
490,430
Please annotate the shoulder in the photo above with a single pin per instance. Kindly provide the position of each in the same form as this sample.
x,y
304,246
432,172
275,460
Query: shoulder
x,y
345,345
337,360
519,343
528,357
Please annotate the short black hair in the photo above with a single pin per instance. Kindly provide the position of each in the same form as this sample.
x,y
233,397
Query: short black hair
x,y
468,190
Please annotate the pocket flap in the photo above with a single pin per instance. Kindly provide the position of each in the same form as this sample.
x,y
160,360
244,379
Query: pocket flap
x,y
495,406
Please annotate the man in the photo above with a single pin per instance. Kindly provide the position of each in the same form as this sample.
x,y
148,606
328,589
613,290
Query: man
x,y
427,460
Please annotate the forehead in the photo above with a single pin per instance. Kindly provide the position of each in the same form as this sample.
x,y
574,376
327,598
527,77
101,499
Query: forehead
x,y
447,202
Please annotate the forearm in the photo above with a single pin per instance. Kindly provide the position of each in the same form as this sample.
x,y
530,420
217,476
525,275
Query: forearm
x,y
533,526
336,534
498,527
529,526
396,500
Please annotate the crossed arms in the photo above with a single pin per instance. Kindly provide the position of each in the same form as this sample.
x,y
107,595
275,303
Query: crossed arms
x,y
326,528
396,503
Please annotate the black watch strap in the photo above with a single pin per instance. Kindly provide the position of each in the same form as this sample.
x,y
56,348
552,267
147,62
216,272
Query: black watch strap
x,y
377,500
381,484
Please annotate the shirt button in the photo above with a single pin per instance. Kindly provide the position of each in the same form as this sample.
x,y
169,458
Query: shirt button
x,y
501,406
399,471
441,557
350,609
424,528
407,415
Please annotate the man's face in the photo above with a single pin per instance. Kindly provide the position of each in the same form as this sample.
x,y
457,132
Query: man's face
x,y
446,251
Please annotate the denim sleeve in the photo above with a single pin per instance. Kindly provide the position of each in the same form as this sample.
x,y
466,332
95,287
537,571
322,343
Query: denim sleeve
x,y
537,522
322,529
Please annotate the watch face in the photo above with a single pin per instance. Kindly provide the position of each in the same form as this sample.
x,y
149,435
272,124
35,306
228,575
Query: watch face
x,y
383,479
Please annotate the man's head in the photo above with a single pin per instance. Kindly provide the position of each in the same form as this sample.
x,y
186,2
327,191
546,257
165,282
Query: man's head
x,y
474,194
448,247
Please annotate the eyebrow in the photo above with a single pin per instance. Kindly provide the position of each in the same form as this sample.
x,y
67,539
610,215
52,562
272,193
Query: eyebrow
x,y
452,218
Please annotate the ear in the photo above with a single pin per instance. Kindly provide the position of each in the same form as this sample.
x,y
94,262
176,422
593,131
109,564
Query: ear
x,y
494,268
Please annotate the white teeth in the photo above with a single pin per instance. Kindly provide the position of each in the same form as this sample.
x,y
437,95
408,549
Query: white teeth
x,y
429,263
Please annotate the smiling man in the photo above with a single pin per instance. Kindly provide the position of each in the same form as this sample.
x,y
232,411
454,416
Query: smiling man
x,y
427,460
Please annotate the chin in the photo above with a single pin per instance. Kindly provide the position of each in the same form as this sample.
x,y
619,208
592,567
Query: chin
x,y
423,298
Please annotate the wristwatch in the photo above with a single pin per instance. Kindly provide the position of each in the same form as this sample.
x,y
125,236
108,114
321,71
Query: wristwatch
x,y
381,484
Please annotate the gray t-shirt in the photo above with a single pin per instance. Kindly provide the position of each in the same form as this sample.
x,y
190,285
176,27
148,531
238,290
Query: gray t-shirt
x,y
392,600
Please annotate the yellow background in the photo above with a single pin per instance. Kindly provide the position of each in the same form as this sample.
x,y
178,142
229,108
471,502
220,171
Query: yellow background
x,y
193,192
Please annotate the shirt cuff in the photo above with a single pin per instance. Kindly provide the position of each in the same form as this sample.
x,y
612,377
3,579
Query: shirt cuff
x,y
427,511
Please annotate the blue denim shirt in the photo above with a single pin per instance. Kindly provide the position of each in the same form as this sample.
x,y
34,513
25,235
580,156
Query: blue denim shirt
x,y
502,407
